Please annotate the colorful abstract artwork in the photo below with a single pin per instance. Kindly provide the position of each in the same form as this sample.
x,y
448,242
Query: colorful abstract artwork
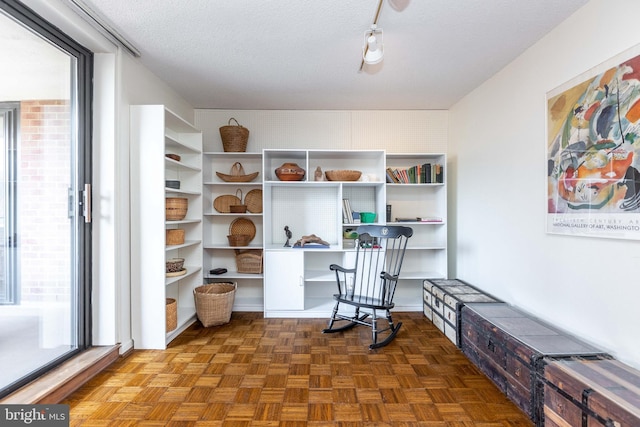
x,y
593,153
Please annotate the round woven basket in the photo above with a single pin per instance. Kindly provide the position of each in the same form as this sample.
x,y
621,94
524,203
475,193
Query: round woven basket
x,y
238,239
241,232
214,303
253,200
174,265
234,137
342,175
176,208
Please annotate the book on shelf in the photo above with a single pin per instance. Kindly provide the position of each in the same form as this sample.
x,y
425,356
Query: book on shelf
x,y
425,173
348,215
429,219
391,176
356,217
412,219
419,219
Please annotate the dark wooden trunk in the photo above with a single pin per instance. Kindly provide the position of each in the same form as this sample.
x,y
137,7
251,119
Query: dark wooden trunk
x,y
509,345
590,392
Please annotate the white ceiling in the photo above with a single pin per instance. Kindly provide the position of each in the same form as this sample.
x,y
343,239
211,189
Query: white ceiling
x,y
295,54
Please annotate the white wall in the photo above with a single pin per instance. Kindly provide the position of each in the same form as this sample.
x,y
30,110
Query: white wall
x,y
393,131
589,286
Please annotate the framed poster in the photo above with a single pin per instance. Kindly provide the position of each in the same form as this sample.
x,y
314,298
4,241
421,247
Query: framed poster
x,y
593,152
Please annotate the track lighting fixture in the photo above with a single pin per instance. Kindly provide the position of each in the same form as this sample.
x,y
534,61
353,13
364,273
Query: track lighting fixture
x,y
373,48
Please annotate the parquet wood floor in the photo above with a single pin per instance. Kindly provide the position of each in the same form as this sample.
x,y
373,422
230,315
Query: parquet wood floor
x,y
284,372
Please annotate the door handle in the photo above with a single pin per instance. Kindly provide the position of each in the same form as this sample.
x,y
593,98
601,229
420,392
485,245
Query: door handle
x,y
86,203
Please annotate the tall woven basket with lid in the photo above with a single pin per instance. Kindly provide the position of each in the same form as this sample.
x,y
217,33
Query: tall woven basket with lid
x,y
234,137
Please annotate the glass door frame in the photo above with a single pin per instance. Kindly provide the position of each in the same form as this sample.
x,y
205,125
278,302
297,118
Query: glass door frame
x,y
11,122
80,201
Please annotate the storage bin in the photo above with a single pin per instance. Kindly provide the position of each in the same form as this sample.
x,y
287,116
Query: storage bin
x,y
443,300
234,137
171,314
596,391
249,261
508,346
176,208
367,217
214,302
174,236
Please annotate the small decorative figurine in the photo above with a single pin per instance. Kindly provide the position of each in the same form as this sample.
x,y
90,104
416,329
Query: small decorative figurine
x,y
318,174
288,233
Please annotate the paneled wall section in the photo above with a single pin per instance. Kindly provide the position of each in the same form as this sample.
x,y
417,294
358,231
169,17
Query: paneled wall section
x,y
411,131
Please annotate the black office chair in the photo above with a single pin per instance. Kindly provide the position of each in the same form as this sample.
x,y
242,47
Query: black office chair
x,y
369,286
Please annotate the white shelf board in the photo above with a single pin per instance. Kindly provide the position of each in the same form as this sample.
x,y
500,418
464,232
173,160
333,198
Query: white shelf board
x,y
191,270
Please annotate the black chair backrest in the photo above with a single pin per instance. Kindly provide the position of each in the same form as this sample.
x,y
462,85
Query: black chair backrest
x,y
379,257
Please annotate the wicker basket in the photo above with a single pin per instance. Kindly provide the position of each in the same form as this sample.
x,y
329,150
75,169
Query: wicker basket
x,y
234,138
241,232
239,239
214,303
171,314
342,175
173,265
176,208
238,207
249,261
174,236
253,200
237,174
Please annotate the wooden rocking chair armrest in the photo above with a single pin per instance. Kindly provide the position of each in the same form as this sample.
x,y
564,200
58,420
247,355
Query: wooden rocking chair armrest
x,y
336,267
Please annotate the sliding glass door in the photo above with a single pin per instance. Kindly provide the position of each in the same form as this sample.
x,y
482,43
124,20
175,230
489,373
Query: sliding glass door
x,y
44,197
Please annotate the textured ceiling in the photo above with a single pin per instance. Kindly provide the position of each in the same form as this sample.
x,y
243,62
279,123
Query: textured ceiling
x,y
294,54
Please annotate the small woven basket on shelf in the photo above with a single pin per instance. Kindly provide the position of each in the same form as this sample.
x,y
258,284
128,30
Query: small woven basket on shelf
x,y
249,261
174,236
342,175
214,303
234,137
171,314
176,208
241,232
239,239
173,265
237,174
238,207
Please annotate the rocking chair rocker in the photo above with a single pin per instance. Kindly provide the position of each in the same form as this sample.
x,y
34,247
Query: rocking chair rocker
x,y
370,285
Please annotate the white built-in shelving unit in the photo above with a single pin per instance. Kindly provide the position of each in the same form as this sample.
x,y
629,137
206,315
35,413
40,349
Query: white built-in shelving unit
x,y
217,251
154,132
297,281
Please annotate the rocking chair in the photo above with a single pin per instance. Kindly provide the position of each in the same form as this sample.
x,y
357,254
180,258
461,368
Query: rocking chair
x,y
370,285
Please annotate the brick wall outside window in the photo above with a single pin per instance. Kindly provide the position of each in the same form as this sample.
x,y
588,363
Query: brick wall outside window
x,y
43,180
